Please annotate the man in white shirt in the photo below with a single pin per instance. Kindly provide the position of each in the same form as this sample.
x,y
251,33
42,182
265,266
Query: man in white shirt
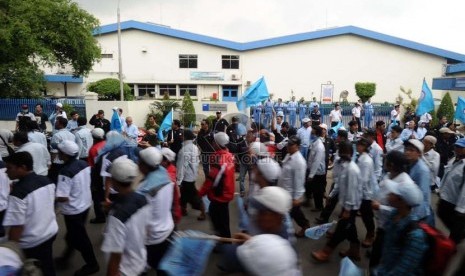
x,y
130,130
395,115
40,155
61,134
30,215
356,113
409,132
376,153
35,135
4,192
433,160
158,190
59,112
73,122
292,109
292,179
74,201
304,133
6,137
23,117
426,118
421,130
83,139
126,230
187,166
316,165
393,141
335,115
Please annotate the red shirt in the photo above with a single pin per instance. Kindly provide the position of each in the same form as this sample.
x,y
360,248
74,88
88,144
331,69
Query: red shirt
x,y
379,140
93,152
221,176
176,208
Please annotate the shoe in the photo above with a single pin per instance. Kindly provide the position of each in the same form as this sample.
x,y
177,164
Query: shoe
x,y
322,255
97,221
201,217
87,270
353,252
301,232
61,263
320,221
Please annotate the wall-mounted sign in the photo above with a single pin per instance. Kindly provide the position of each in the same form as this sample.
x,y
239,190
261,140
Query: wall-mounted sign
x,y
215,107
327,91
207,76
460,82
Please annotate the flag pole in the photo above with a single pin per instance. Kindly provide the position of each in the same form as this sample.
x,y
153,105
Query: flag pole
x,y
172,131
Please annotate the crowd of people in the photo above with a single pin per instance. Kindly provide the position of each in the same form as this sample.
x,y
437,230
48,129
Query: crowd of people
x,y
141,188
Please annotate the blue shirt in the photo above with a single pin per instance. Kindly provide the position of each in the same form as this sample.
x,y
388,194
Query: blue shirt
x,y
403,249
420,174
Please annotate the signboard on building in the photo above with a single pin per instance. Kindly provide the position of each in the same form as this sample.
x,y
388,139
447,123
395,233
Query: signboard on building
x,y
213,76
460,83
215,107
327,92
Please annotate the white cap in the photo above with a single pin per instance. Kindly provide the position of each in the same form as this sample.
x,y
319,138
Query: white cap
x,y
408,191
273,198
268,254
98,133
269,168
68,147
221,138
280,114
168,154
324,126
446,130
151,156
258,149
59,104
430,139
417,144
115,108
124,170
305,120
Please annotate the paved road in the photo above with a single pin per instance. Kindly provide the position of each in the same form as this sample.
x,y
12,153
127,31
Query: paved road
x,y
304,246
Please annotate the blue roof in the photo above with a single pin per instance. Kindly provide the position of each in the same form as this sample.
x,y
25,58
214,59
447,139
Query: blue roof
x,y
63,78
237,46
455,68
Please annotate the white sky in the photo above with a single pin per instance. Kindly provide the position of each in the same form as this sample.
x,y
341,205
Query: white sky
x,y
436,23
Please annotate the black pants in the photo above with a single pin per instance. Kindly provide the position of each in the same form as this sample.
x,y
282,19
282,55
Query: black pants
x,y
377,248
76,236
219,215
331,204
357,119
204,159
189,194
155,253
299,217
44,254
345,229
368,217
98,196
318,187
2,229
454,222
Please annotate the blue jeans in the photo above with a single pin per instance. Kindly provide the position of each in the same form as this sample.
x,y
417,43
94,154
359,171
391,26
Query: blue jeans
x,y
267,121
243,169
304,151
292,118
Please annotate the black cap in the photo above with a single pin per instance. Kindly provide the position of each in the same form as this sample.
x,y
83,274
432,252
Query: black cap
x,y
218,112
294,140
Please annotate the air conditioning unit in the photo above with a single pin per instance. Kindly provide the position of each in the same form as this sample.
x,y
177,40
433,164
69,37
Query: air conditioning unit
x,y
234,77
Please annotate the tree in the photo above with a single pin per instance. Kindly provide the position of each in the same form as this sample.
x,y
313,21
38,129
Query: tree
x,y
165,105
188,109
109,90
365,90
446,108
37,33
413,102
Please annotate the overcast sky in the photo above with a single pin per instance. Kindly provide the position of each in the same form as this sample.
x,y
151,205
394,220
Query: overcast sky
x,y
436,23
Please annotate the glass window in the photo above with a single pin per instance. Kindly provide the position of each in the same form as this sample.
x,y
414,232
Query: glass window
x,y
147,90
187,61
168,88
230,93
107,55
230,62
192,89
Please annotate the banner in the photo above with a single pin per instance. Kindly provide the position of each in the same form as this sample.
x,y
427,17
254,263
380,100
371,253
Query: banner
x,y
318,231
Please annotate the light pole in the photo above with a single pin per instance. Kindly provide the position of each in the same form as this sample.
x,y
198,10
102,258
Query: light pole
x,y
120,60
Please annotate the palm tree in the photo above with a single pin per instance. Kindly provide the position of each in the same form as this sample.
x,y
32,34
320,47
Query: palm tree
x,y
165,105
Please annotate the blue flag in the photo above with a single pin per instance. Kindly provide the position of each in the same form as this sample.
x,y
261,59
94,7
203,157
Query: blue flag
x,y
426,101
254,95
317,232
165,125
460,110
116,122
243,216
348,268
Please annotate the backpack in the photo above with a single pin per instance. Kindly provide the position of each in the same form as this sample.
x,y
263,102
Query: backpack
x,y
440,249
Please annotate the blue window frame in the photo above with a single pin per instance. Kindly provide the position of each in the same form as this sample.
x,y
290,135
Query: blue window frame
x,y
230,93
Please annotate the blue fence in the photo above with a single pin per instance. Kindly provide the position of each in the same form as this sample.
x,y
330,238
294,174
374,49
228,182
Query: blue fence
x,y
381,112
9,108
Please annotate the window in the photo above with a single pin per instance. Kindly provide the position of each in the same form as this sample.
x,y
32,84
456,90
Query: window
x,y
132,88
192,89
168,88
187,61
107,55
230,62
147,90
230,93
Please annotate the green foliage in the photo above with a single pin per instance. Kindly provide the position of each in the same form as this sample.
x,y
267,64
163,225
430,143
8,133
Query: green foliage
x,y
109,90
210,120
413,102
188,110
434,120
38,33
365,90
446,108
164,106
68,109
